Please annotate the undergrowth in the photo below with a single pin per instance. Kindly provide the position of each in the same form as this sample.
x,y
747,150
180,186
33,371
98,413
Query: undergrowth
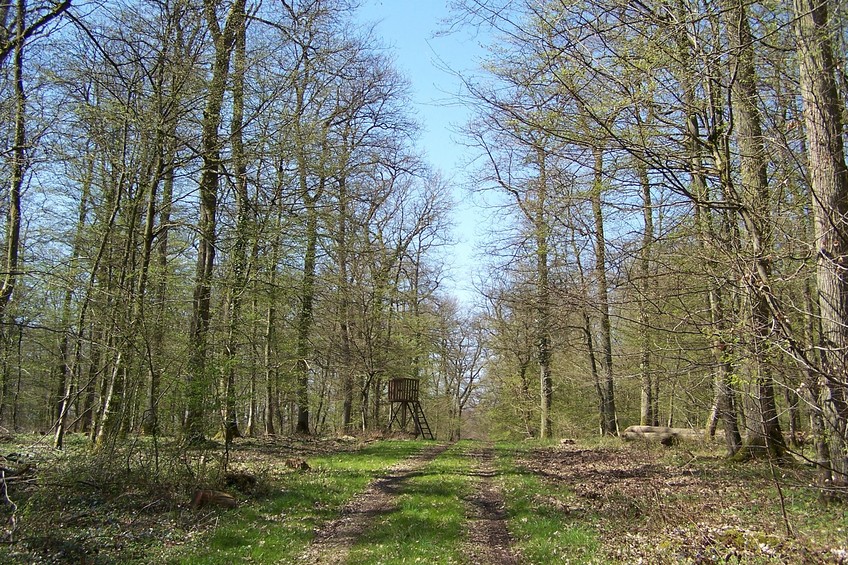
x,y
606,502
278,527
133,503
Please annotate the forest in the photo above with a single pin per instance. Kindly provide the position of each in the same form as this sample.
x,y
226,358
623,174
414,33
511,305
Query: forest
x,y
220,227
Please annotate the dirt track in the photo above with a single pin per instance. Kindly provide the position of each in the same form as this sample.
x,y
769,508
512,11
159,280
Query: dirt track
x,y
333,541
488,541
642,507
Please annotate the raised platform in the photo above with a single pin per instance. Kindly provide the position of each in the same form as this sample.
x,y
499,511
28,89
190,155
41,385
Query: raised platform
x,y
403,395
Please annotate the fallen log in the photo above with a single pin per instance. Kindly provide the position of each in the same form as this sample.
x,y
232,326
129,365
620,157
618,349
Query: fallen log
x,y
298,464
207,497
661,434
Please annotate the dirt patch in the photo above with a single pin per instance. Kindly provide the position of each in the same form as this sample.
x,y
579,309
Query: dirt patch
x,y
697,511
489,540
334,539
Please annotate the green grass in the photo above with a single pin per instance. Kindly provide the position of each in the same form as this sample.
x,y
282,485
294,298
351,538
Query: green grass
x,y
110,507
427,526
278,527
543,531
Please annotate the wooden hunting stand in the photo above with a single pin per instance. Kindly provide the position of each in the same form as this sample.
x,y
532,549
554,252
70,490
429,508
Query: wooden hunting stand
x,y
403,394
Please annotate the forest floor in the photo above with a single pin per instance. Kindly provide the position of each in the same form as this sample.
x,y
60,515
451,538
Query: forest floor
x,y
399,501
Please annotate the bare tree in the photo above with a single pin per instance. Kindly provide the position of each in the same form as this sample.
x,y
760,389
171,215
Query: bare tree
x,y
210,152
15,31
828,174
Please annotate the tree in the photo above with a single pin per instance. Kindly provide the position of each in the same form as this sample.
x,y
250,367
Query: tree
x,y
244,229
210,153
510,343
610,420
15,31
145,90
754,207
828,178
641,103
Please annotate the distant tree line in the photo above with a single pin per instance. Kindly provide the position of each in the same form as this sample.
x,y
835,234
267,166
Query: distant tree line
x,y
217,224
674,177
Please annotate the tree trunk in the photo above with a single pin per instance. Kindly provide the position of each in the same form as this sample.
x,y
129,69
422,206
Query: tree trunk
x,y
150,422
271,398
829,184
526,399
238,277
543,329
814,385
709,237
210,153
765,433
310,201
13,212
122,387
169,97
589,340
346,361
610,420
647,416
114,202
114,386
304,323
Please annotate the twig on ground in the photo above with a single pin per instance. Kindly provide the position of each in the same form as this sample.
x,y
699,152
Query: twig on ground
x,y
692,458
13,518
777,484
659,505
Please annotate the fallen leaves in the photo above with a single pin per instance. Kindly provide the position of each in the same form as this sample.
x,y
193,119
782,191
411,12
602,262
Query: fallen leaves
x,y
651,512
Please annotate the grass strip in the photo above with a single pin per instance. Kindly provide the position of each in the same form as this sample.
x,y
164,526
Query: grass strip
x,y
427,525
543,531
278,527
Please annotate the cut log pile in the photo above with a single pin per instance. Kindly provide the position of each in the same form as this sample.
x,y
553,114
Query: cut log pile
x,y
663,435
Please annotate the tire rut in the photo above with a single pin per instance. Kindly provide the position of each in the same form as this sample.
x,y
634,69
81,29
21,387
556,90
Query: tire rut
x,y
334,539
488,538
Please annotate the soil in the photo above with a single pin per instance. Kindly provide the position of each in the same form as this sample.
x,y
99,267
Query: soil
x,y
489,540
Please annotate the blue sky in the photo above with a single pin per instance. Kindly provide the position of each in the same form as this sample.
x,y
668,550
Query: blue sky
x,y
408,28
